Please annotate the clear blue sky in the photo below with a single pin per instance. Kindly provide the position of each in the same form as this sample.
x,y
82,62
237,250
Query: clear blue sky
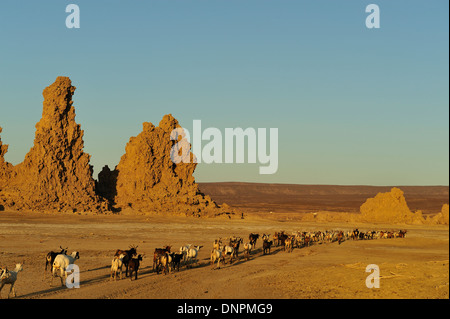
x,y
353,105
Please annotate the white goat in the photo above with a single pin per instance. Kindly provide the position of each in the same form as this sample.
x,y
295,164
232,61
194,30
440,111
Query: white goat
x,y
9,277
116,266
228,250
216,254
61,263
184,250
192,254
247,250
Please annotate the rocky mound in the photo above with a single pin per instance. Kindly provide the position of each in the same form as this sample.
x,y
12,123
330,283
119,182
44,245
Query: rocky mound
x,y
442,217
5,167
55,175
389,207
147,179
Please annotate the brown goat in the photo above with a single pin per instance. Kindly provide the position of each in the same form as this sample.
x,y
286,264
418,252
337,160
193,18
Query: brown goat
x,y
128,255
157,256
266,246
134,266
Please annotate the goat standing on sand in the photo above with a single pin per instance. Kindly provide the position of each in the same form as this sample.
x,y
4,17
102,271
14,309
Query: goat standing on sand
x,y
288,243
253,238
50,258
216,254
229,250
61,263
166,261
266,246
235,244
157,254
184,250
247,250
191,255
9,277
176,260
128,255
116,266
217,244
134,266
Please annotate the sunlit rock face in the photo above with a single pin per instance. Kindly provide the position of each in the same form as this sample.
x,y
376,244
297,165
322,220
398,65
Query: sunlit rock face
x,y
55,174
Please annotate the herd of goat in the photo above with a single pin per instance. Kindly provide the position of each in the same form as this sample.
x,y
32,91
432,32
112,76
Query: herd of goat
x,y
165,261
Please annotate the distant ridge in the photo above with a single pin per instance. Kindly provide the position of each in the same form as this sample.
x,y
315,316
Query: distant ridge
x,y
310,198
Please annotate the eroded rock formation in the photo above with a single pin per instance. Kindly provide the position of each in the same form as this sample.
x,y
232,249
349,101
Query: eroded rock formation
x,y
390,207
147,179
441,218
55,174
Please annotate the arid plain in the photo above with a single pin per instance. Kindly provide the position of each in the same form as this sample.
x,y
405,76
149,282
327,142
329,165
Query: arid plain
x,y
412,267
51,199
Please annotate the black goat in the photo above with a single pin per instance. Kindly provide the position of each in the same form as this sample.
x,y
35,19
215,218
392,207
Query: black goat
x,y
128,256
253,238
134,266
176,260
50,258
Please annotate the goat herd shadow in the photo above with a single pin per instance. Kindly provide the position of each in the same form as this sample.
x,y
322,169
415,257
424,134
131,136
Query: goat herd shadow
x,y
144,272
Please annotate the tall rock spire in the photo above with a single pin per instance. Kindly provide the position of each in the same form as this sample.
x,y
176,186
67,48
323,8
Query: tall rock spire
x,y
56,174
5,167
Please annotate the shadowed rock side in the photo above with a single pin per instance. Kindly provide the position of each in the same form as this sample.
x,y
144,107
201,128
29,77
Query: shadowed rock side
x,y
5,167
146,178
55,175
5,172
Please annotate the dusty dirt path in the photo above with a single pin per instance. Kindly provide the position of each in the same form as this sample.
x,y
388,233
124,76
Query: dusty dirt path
x,y
414,267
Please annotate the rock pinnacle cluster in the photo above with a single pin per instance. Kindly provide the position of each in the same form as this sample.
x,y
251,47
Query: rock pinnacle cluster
x,y
56,174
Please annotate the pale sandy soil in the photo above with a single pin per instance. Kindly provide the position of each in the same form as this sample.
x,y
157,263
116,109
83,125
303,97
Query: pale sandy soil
x,y
414,267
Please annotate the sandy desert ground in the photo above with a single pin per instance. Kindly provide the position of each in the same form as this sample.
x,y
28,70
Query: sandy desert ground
x,y
414,267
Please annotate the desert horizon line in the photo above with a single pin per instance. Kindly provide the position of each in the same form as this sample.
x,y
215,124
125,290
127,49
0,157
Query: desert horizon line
x,y
312,184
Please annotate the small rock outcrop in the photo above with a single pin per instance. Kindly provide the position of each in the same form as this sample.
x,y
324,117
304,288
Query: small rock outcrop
x,y
441,218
